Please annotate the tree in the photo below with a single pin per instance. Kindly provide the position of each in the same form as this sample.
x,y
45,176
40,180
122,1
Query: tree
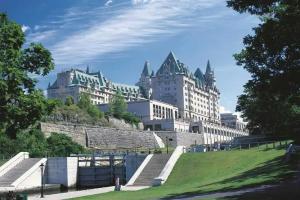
x,y
32,141
62,145
84,101
118,106
21,104
271,98
85,104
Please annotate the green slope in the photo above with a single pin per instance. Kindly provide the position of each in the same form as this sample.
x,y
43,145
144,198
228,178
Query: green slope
x,y
197,173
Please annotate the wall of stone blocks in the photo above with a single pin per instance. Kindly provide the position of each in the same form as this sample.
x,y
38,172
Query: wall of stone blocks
x,y
113,138
76,132
180,138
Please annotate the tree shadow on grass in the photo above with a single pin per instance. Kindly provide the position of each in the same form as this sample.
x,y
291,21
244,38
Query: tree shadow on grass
x,y
272,172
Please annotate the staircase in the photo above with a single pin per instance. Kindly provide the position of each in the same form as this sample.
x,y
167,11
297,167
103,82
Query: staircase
x,y
152,170
17,171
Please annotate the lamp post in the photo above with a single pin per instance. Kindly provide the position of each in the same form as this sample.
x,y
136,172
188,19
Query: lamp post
x,y
42,179
167,142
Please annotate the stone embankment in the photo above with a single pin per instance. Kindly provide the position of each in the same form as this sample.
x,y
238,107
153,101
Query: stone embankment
x,y
114,138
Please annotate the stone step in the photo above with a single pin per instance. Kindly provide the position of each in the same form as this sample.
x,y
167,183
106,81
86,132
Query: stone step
x,y
12,175
152,169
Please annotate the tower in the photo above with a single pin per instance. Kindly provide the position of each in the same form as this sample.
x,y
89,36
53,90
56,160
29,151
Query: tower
x,y
209,76
145,81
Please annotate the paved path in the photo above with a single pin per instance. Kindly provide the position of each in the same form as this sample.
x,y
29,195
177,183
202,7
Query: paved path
x,y
221,194
81,193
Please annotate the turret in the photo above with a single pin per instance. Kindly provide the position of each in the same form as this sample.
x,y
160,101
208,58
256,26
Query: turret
x,y
209,76
145,80
146,71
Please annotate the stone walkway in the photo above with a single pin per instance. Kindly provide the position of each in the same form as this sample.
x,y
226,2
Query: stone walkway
x,y
81,193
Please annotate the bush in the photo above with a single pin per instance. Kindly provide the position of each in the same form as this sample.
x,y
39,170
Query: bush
x,y
32,141
7,146
131,118
62,145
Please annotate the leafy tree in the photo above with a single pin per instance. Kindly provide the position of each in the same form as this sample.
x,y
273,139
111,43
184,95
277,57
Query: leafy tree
x,y
7,146
69,101
131,118
62,145
84,101
32,141
118,106
21,105
271,98
85,104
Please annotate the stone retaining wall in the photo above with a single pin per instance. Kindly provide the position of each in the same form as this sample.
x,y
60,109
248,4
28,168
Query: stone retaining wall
x,y
180,138
109,138
113,138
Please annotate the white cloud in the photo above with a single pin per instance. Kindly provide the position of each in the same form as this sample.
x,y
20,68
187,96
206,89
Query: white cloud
x,y
133,26
25,28
41,36
224,110
108,3
137,2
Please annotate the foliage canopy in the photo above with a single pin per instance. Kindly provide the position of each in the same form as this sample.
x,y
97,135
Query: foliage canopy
x,y
21,104
271,98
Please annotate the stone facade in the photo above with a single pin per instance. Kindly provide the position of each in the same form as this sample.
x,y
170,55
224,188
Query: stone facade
x,y
194,94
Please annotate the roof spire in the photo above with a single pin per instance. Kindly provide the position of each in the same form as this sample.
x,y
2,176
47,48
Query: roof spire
x,y
146,70
152,73
208,68
88,69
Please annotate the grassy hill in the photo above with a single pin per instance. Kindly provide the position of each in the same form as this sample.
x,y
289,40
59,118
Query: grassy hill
x,y
197,173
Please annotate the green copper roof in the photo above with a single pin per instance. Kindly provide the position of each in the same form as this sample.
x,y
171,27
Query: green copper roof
x,y
125,88
83,78
173,66
146,70
200,80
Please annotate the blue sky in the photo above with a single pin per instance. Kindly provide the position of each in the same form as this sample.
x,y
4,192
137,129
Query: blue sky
x,y
117,36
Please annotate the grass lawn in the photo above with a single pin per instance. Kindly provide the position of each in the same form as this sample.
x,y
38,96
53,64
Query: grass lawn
x,y
197,173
